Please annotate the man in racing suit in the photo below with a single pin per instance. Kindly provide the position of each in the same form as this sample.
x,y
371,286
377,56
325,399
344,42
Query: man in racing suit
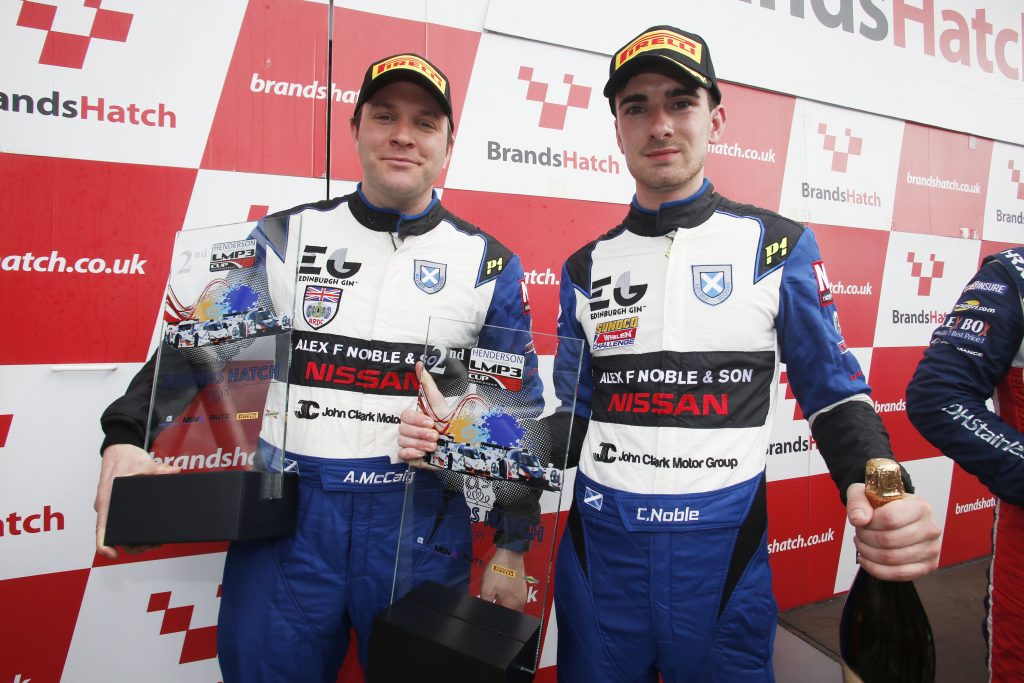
x,y
391,257
688,307
978,351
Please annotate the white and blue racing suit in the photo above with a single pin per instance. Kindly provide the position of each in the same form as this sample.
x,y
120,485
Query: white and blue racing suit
x,y
288,604
688,312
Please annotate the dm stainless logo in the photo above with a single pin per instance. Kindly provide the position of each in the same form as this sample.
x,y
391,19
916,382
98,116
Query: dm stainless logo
x,y
712,284
429,276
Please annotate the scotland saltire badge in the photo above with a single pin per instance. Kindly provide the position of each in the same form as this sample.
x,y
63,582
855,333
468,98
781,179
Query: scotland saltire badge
x,y
320,305
429,276
712,284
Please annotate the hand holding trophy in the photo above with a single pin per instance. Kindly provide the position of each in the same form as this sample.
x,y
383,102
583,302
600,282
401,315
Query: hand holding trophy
x,y
475,551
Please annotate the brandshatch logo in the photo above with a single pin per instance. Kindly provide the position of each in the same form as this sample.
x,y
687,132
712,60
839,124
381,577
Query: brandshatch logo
x,y
69,49
1015,177
552,114
924,281
200,643
840,155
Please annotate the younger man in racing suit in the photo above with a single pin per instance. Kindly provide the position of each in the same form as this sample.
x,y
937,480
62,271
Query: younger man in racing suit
x,y
392,257
664,565
688,307
978,351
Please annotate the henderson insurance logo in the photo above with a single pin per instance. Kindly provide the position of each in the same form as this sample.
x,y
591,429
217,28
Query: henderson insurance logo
x,y
553,116
68,50
969,41
841,148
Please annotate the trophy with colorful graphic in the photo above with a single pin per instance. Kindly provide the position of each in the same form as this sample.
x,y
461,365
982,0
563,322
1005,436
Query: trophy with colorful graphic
x,y
220,393
473,566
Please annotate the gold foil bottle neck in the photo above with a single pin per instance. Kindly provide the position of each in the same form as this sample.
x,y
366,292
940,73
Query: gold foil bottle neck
x,y
883,481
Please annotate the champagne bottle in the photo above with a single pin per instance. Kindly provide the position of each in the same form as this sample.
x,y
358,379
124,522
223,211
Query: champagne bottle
x,y
884,635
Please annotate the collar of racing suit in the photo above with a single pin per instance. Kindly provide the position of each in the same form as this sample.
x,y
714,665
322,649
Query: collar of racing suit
x,y
682,213
389,220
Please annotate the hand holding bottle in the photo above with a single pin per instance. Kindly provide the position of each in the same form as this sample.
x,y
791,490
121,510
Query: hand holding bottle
x,y
896,542
884,634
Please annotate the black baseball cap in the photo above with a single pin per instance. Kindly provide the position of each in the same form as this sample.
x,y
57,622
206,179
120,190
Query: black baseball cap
x,y
407,67
684,51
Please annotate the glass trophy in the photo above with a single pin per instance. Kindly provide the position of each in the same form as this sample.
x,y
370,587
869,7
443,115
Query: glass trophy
x,y
473,564
219,393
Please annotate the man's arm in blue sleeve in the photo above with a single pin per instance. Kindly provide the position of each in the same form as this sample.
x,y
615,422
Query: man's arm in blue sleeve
x,y
969,355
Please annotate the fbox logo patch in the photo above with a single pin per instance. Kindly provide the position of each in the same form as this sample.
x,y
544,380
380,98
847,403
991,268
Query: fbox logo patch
x,y
64,48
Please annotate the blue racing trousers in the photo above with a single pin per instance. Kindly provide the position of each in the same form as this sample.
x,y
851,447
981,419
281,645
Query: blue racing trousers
x,y
671,584
288,604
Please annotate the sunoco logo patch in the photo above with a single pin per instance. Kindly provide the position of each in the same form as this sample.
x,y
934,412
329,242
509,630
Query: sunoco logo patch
x,y
611,333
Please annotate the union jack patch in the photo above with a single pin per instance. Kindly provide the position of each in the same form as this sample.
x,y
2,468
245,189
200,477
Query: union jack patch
x,y
320,305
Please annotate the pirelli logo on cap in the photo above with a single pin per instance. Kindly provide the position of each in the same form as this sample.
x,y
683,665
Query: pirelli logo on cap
x,y
413,63
661,40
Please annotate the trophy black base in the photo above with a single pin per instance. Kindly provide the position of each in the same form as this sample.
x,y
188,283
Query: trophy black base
x,y
196,507
437,633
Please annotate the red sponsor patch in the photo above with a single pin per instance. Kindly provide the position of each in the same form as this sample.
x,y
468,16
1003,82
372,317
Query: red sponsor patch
x,y
621,335
824,285
525,297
